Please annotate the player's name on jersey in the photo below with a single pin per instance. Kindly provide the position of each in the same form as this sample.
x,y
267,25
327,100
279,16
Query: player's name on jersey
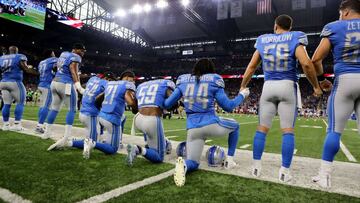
x,y
204,78
354,25
278,38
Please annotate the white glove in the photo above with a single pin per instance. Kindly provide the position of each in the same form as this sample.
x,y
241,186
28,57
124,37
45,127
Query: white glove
x,y
245,92
78,87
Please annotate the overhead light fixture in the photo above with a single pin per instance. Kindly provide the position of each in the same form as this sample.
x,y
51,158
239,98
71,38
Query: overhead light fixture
x,y
120,13
137,9
147,8
185,3
162,4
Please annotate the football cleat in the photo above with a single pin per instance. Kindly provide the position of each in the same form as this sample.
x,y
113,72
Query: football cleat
x,y
17,127
180,172
256,168
61,143
132,152
284,175
323,180
6,127
39,130
88,146
229,163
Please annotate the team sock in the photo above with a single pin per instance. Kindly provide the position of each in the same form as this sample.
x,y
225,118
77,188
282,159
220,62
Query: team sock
x,y
19,110
259,145
288,145
232,141
52,116
6,112
43,112
70,117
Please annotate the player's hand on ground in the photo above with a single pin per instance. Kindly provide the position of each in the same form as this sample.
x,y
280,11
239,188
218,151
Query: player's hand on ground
x,y
245,92
326,85
318,92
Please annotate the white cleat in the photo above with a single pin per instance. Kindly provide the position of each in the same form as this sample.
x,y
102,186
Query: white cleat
x,y
17,127
323,180
88,146
256,168
61,143
229,163
39,130
6,127
284,175
46,135
180,172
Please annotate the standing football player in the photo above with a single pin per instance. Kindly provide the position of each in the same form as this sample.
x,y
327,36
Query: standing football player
x,y
113,107
342,37
47,69
200,91
12,87
279,53
63,90
150,96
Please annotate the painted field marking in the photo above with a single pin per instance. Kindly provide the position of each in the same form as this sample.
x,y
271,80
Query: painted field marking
x,y
295,150
343,148
127,188
8,196
310,126
171,136
245,146
207,141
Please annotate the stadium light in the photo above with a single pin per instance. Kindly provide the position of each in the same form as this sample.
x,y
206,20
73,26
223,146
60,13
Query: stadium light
x,y
162,4
147,8
185,3
137,9
120,13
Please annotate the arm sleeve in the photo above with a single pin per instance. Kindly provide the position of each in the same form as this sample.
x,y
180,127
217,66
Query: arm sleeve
x,y
226,103
23,57
174,97
75,58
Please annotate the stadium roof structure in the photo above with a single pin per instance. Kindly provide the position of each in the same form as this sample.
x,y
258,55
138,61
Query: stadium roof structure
x,y
215,20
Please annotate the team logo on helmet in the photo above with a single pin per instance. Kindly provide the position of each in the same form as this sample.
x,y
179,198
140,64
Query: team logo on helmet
x,y
168,146
215,156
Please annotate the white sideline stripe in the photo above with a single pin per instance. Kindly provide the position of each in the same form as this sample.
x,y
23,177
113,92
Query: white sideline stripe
x,y
245,146
8,196
127,188
343,148
207,141
171,136
295,150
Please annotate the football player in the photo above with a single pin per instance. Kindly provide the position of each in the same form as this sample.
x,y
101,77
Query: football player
x,y
150,96
47,69
12,87
63,89
279,53
200,90
113,107
342,38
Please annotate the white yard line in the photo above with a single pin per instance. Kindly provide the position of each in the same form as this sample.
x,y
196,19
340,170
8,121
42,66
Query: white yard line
x,y
207,141
169,137
8,196
245,146
127,188
343,148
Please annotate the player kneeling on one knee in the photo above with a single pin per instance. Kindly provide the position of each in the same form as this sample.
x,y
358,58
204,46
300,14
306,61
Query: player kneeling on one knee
x,y
150,96
200,90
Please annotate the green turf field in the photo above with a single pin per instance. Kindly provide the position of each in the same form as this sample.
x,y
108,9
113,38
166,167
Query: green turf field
x,y
28,170
33,18
310,134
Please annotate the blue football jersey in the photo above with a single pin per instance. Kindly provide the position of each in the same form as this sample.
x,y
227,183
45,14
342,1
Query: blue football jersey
x,y
63,74
153,93
278,54
94,87
344,36
11,68
113,105
199,98
45,69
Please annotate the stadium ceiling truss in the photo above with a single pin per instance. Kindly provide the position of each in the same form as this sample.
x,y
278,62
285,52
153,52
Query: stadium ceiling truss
x,y
96,17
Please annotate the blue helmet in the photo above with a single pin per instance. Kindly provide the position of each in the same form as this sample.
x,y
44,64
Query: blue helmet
x,y
181,150
168,146
215,156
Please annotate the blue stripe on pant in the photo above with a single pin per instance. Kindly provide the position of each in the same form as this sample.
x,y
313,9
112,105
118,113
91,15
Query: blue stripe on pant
x,y
70,116
44,110
157,155
19,109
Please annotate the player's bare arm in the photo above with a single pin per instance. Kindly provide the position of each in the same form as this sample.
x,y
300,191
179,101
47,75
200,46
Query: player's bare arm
x,y
308,68
131,100
320,54
250,70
